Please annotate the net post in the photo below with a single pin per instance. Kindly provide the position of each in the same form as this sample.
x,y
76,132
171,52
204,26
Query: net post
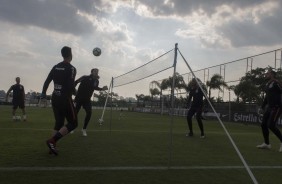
x,y
111,92
172,105
102,116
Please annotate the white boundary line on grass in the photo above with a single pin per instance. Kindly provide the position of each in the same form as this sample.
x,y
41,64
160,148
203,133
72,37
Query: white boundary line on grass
x,y
133,131
132,168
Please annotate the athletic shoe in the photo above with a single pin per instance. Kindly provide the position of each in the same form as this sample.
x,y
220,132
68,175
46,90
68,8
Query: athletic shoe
x,y
84,132
280,149
264,146
190,134
202,136
52,146
71,132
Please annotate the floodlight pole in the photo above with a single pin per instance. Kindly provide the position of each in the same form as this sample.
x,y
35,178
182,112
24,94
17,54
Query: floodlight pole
x,y
172,104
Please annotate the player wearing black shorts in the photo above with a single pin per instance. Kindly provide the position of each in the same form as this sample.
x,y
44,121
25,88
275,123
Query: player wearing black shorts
x,y
63,76
196,107
18,98
88,83
272,110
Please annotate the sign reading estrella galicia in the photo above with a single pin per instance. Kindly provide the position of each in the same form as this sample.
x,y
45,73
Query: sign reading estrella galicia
x,y
243,117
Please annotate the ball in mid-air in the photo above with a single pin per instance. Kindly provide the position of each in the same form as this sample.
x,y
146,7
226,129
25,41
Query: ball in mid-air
x,y
97,51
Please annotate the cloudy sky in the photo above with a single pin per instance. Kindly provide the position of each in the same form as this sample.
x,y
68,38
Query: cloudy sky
x,y
130,33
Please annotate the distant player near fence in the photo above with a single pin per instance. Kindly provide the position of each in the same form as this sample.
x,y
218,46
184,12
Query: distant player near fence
x,y
18,98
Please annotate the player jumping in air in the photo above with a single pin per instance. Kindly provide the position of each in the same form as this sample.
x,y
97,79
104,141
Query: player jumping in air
x,y
88,84
63,75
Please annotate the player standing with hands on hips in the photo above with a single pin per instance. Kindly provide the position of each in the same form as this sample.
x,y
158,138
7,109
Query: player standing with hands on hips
x,y
272,109
63,76
88,84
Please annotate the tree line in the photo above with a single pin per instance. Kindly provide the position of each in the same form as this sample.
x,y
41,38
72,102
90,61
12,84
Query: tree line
x,y
250,88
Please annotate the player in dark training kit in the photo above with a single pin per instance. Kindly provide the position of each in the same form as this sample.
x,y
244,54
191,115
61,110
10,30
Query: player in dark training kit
x,y
272,110
88,83
63,76
18,98
196,107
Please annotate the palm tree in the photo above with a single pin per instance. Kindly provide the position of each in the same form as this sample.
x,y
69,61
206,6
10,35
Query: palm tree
x,y
216,82
139,97
162,86
179,82
154,92
146,98
158,84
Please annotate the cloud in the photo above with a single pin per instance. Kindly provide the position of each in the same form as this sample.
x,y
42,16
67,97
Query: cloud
x,y
86,5
232,26
254,26
213,23
20,54
187,7
60,16
116,32
130,33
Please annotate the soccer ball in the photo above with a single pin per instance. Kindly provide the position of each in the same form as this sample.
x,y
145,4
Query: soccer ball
x,y
97,51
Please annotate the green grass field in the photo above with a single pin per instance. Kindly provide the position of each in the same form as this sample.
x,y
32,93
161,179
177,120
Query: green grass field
x,y
133,150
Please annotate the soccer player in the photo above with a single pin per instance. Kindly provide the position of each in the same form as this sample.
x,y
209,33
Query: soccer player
x,y
88,83
196,107
63,76
120,114
272,109
18,98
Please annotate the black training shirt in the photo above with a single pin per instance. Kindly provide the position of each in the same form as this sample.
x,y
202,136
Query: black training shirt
x,y
18,91
87,86
197,96
273,94
63,75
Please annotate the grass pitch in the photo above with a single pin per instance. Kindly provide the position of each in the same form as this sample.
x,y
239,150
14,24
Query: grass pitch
x,y
138,148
